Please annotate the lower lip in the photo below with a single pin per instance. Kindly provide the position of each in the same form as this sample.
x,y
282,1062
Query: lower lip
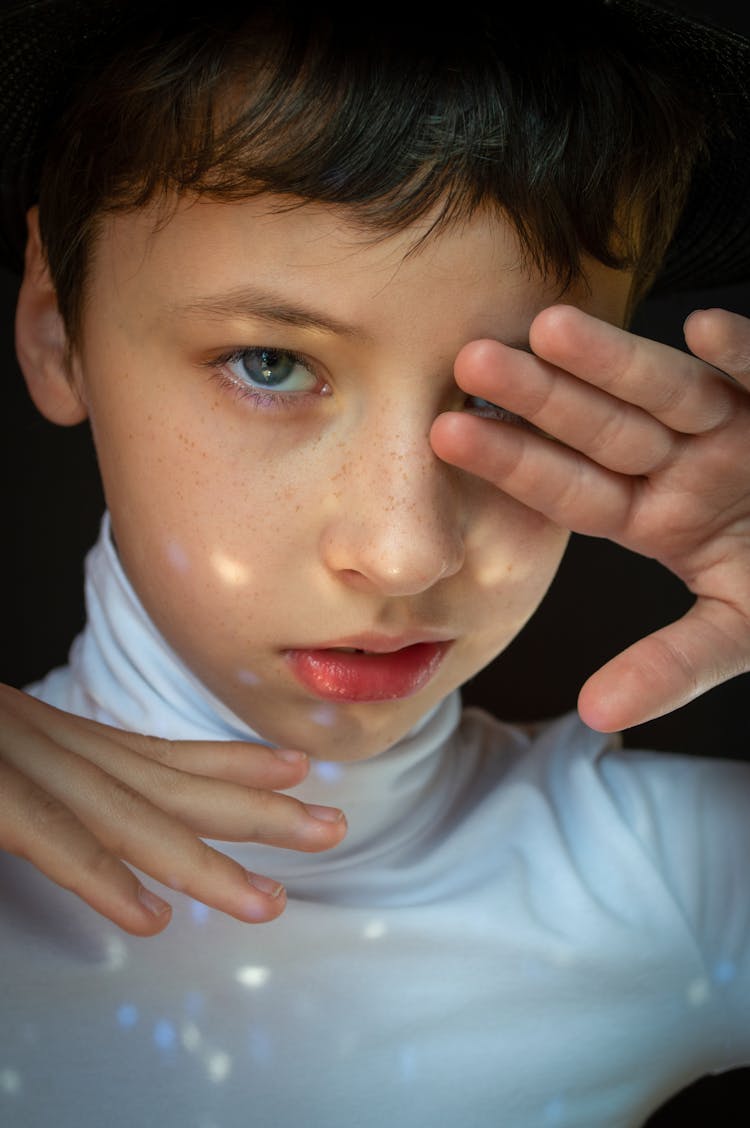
x,y
339,676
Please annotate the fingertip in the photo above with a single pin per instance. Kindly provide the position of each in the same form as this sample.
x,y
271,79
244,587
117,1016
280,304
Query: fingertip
x,y
552,320
596,712
141,919
324,828
708,329
294,765
156,916
476,353
270,903
292,756
450,436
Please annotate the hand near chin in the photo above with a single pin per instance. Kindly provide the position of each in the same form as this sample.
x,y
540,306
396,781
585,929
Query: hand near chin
x,y
653,452
77,797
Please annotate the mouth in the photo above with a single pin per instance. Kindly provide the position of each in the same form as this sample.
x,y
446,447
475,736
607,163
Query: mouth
x,y
379,669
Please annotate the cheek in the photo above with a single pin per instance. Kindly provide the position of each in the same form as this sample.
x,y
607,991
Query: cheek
x,y
513,554
200,510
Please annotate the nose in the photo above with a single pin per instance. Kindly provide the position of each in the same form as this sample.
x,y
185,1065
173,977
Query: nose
x,y
395,526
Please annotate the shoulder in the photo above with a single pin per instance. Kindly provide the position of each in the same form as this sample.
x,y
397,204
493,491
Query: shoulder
x,y
661,841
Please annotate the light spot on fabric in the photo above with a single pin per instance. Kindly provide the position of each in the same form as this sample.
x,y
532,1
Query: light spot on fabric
x,y
698,992
164,1035
10,1081
116,952
218,1066
374,930
199,912
253,976
328,770
554,1111
724,971
191,1037
127,1015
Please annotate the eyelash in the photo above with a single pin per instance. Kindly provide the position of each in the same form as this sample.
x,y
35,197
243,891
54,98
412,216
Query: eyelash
x,y
262,400
276,400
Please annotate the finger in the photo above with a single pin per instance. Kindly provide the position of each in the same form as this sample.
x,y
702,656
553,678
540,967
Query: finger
x,y
214,808
558,482
618,435
129,827
253,765
722,339
35,826
679,390
707,646
135,830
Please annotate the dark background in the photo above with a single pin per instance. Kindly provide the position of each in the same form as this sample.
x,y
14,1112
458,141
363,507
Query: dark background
x,y
602,599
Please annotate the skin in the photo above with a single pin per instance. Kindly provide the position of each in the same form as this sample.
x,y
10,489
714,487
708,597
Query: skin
x,y
298,525
322,514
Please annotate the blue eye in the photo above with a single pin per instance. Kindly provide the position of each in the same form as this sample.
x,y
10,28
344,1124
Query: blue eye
x,y
486,410
270,370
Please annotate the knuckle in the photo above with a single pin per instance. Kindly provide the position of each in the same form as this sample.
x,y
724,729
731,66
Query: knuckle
x,y
96,866
158,748
49,817
262,805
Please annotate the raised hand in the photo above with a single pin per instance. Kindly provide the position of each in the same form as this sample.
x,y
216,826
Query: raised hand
x,y
642,444
76,797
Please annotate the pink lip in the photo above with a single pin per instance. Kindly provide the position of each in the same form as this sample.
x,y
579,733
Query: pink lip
x,y
393,668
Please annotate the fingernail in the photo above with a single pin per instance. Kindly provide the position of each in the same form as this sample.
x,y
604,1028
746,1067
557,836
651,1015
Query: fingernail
x,y
265,885
151,902
289,755
324,814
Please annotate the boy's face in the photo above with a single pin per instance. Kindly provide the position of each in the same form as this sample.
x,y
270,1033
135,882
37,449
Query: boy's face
x,y
270,508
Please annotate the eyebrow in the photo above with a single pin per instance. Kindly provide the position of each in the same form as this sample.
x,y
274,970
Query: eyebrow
x,y
248,301
252,302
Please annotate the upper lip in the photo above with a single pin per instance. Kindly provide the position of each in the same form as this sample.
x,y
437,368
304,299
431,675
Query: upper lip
x,y
381,643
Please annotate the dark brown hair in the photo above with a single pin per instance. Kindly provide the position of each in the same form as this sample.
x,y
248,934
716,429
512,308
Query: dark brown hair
x,y
572,126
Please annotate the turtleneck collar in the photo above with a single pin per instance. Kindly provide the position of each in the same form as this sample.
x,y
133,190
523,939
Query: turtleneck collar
x,y
122,672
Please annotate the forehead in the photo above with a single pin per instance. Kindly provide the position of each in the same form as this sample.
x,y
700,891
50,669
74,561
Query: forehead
x,y
207,259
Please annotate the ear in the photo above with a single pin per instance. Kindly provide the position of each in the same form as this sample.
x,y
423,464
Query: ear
x,y
41,340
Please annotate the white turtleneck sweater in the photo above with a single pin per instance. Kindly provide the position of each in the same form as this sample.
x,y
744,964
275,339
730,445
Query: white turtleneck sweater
x,y
517,932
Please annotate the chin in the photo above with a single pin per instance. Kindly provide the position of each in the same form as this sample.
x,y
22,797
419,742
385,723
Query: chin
x,y
346,732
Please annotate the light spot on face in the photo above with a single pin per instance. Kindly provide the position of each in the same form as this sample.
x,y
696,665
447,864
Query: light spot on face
x,y
252,976
698,992
230,571
324,715
248,677
177,557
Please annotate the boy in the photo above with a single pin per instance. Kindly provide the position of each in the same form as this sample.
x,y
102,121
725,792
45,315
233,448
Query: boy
x,y
289,268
